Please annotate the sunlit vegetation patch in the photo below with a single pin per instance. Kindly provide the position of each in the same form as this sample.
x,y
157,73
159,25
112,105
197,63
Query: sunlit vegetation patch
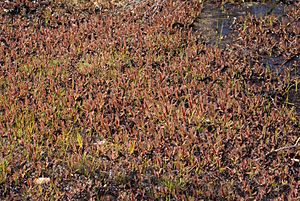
x,y
121,103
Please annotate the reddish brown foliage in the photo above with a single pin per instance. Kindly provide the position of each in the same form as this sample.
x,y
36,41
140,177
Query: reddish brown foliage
x,y
122,104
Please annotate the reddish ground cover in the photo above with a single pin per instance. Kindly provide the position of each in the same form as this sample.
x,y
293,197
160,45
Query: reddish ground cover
x,y
126,103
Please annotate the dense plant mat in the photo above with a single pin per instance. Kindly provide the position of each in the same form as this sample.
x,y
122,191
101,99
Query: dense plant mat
x,y
126,102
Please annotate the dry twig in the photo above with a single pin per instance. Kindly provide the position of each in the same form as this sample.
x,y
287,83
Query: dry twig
x,y
297,144
286,147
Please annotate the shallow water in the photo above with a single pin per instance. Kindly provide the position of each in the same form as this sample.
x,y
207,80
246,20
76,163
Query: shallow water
x,y
215,26
215,23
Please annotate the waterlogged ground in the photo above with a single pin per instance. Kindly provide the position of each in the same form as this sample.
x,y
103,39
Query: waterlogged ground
x,y
216,26
149,100
216,23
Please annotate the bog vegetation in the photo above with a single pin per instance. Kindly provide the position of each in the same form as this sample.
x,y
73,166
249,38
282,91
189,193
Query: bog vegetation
x,y
122,100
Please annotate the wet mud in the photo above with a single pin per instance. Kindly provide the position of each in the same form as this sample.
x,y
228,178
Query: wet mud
x,y
215,24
